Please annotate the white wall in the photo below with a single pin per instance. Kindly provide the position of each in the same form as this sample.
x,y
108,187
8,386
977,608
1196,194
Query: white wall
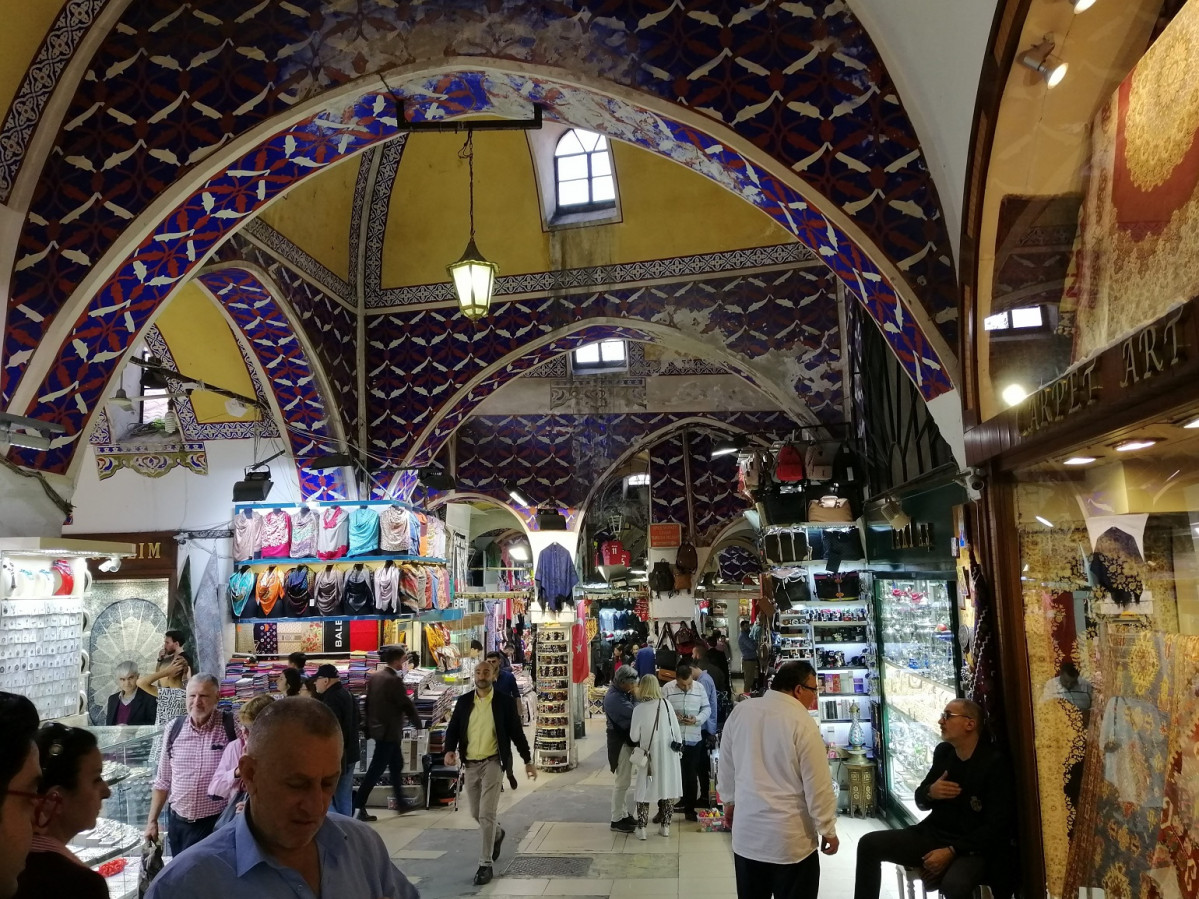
x,y
180,499
934,51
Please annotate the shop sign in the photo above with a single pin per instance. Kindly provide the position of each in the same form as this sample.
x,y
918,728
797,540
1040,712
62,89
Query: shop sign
x,y
337,636
1149,353
665,535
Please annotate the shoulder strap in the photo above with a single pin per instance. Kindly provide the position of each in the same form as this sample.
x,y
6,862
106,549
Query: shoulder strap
x,y
230,727
176,726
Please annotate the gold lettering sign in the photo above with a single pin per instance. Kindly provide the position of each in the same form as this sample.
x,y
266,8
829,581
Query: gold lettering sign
x,y
149,551
1151,351
1063,397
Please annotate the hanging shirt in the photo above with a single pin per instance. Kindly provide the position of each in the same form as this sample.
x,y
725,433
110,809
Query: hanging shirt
x,y
241,588
333,539
773,767
247,535
364,531
395,536
387,589
326,590
556,576
304,525
276,534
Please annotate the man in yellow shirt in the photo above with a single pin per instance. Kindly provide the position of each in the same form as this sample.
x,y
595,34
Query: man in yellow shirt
x,y
482,729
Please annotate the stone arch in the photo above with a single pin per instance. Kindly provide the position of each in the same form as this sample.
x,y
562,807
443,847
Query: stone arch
x,y
94,329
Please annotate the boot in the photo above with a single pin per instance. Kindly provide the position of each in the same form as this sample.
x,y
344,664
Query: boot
x,y
640,833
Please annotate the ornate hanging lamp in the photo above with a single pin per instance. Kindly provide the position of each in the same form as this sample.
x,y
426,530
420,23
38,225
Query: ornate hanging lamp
x,y
473,276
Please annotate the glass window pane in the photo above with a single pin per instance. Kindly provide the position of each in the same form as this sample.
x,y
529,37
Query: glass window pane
x,y
612,350
601,164
573,193
588,355
603,189
587,139
572,167
997,322
1028,317
568,144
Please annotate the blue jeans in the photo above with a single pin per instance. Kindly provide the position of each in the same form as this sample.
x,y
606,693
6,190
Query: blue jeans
x,y
343,796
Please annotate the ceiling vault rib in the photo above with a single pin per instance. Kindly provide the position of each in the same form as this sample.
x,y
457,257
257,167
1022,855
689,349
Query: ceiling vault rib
x,y
368,172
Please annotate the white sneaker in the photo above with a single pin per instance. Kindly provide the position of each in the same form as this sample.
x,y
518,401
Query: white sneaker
x,y
664,830
639,833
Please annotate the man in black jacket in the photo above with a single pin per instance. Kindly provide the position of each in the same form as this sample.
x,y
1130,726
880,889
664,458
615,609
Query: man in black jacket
x,y
329,688
387,705
966,838
482,729
131,705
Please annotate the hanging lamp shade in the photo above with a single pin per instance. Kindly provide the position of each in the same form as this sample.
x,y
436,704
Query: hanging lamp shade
x,y
473,278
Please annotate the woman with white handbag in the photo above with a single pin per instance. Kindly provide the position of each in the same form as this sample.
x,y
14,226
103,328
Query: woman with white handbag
x,y
656,764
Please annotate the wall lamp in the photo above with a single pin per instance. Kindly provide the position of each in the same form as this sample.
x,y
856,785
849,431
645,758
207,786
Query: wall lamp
x,y
1081,5
1042,61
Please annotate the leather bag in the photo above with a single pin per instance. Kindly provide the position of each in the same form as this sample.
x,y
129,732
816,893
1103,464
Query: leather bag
x,y
785,547
829,508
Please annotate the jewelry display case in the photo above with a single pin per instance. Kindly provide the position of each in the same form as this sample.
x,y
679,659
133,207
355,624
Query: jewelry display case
x,y
553,741
917,625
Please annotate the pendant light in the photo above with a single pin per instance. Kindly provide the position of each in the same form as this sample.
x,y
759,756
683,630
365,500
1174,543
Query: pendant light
x,y
473,276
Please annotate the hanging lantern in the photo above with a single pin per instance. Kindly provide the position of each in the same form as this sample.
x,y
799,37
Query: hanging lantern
x,y
473,276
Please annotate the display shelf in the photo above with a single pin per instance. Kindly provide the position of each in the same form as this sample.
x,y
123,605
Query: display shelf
x,y
344,560
430,615
845,668
553,736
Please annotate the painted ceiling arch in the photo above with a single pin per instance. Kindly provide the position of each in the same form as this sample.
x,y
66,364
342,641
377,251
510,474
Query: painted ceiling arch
x,y
59,257
778,329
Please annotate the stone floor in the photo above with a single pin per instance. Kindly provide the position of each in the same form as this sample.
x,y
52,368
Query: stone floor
x,y
565,816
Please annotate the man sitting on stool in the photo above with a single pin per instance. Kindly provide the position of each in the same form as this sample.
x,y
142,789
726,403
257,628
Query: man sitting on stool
x,y
964,840
484,726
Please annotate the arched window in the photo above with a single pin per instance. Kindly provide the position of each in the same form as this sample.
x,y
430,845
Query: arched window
x,y
583,172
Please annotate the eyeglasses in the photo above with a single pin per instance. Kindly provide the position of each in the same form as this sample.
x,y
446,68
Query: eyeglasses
x,y
813,689
945,716
44,805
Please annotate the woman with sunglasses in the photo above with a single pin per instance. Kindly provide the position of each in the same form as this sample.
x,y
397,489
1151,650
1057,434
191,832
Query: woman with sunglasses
x,y
20,802
74,788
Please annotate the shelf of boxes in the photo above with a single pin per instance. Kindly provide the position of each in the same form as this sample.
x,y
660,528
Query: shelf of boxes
x,y
553,738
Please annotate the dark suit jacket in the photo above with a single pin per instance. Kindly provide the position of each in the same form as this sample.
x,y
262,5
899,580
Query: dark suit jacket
x,y
343,704
508,729
143,709
387,703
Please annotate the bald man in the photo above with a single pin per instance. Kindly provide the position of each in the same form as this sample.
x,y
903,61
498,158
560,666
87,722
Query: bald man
x,y
286,845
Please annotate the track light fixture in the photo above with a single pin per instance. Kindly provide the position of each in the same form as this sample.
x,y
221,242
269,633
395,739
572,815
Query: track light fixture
x,y
729,446
517,495
1042,61
27,433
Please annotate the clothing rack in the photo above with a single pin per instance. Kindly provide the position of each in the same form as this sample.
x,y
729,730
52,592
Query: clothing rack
x,y
329,504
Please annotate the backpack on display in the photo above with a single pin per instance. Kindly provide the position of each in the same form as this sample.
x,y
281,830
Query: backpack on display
x,y
666,656
819,461
686,559
661,577
789,466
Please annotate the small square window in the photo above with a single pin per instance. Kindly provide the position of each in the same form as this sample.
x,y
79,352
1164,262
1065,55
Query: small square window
x,y
602,356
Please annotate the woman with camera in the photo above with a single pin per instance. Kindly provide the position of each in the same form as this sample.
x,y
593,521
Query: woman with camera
x,y
656,732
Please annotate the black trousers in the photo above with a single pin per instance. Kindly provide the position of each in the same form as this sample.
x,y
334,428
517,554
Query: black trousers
x,y
761,880
696,777
181,833
387,756
908,847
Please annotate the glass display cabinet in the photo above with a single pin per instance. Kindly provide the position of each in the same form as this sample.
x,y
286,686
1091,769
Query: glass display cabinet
x,y
920,663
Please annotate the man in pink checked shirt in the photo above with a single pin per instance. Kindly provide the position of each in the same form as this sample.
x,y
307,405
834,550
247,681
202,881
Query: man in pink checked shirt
x,y
191,752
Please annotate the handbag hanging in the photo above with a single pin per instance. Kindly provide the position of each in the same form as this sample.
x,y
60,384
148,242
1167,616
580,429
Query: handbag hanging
x,y
838,586
842,545
788,591
829,508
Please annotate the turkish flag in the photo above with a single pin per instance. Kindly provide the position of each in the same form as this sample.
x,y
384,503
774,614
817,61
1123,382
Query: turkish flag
x,y
582,664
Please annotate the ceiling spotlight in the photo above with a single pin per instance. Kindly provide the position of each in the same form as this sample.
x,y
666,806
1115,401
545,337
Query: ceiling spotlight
x,y
892,510
1042,61
328,460
1129,446
550,520
254,489
26,441
1079,460
517,495
111,564
1045,521
1014,395
436,479
1193,423
1081,5
729,445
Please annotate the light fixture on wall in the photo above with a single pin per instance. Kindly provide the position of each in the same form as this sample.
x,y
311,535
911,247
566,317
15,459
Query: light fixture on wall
x,y
1079,460
1042,61
256,484
1014,395
892,510
473,276
1081,5
516,494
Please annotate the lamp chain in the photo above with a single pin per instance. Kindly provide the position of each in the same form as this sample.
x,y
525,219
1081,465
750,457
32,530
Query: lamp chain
x,y
470,166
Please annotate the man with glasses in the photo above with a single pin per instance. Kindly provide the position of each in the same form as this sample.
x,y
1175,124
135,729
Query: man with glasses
x,y
775,775
965,840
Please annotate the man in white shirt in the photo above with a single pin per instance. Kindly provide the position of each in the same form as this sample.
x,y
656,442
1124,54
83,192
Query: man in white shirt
x,y
691,707
1068,686
775,773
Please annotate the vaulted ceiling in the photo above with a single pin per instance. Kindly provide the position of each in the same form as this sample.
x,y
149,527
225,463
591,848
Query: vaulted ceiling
x,y
768,169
